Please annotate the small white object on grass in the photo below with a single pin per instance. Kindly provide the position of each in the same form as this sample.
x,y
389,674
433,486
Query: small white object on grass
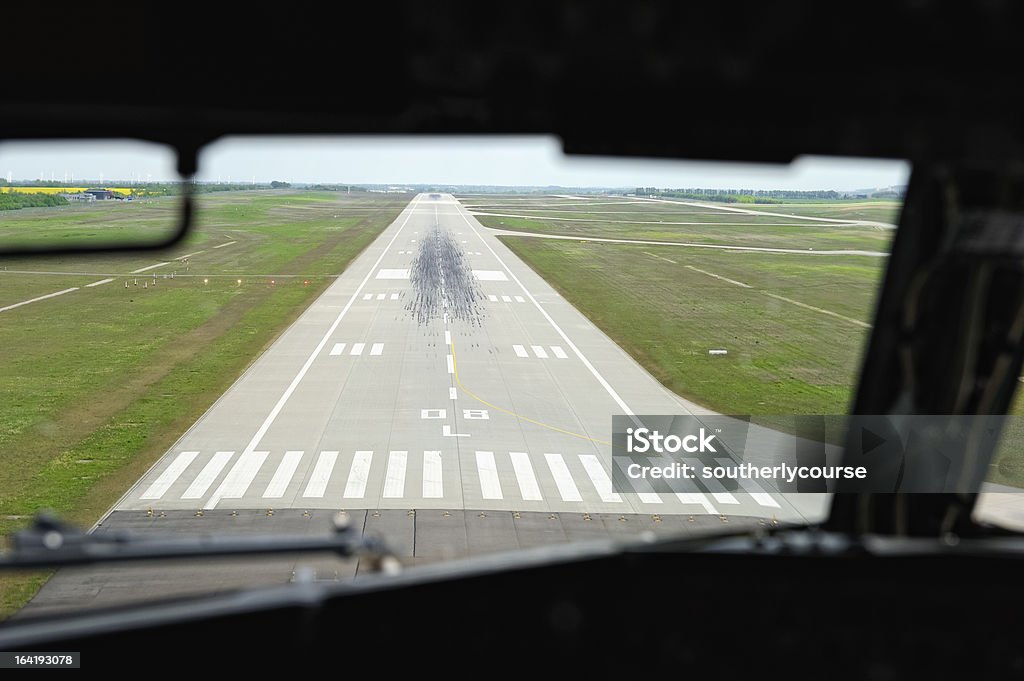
x,y
718,352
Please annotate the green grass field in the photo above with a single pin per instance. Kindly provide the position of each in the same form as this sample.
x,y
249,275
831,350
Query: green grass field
x,y
783,358
679,222
98,383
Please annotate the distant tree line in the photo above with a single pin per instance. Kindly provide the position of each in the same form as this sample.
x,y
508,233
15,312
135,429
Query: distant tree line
x,y
741,195
16,200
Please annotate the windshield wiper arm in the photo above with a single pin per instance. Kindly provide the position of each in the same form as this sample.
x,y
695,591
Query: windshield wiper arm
x,y
52,543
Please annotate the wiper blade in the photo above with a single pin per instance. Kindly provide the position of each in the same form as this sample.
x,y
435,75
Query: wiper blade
x,y
52,543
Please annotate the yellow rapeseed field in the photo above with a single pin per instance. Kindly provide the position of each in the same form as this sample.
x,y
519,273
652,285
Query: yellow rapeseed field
x,y
60,190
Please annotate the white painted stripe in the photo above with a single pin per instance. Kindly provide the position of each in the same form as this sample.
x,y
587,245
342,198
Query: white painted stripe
x,y
539,351
598,476
272,416
520,299
451,364
394,296
392,274
34,300
151,267
490,275
491,298
381,296
170,474
355,488
528,486
755,490
189,255
563,478
433,487
206,476
357,348
283,475
487,471
240,476
559,352
447,337
227,244
453,394
394,479
696,498
368,296
641,488
338,349
520,351
377,349
717,489
506,299
572,346
317,484
99,283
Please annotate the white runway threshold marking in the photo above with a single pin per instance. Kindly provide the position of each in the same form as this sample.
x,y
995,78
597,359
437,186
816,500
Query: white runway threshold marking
x,y
598,476
357,348
755,490
394,479
272,416
317,484
338,349
559,352
393,274
377,349
172,473
563,478
206,476
520,351
528,486
493,299
283,475
241,476
35,300
487,470
355,488
539,351
433,482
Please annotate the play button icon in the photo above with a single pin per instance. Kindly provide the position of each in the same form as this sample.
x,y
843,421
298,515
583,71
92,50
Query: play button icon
x,y
869,441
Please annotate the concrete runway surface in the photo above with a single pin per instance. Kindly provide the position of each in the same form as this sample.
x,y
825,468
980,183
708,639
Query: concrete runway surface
x,y
439,371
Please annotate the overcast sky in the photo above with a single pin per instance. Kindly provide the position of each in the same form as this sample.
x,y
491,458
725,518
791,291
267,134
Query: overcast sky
x,y
536,161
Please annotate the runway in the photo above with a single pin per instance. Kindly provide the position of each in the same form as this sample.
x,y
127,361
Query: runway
x,y
437,372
